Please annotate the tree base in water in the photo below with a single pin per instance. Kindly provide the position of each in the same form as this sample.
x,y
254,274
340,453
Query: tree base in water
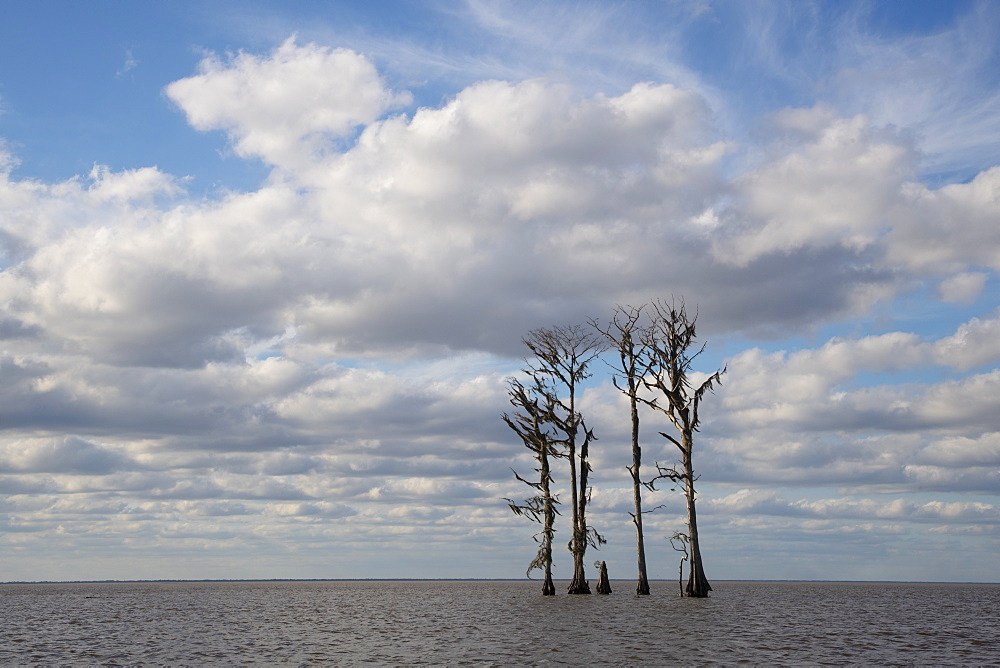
x,y
603,583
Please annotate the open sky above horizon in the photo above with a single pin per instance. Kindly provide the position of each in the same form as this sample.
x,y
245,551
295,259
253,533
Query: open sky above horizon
x,y
265,269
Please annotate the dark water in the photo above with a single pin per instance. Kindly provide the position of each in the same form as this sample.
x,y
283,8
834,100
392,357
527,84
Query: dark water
x,y
502,623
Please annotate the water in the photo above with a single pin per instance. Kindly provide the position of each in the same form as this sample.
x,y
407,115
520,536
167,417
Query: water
x,y
500,623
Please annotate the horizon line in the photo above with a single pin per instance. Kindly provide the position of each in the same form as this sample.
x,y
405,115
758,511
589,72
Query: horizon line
x,y
390,579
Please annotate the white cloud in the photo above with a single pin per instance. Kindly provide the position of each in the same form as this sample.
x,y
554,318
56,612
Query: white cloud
x,y
66,454
950,229
836,188
7,159
941,478
510,206
130,185
760,502
963,288
973,345
291,103
961,451
845,184
807,383
130,63
802,416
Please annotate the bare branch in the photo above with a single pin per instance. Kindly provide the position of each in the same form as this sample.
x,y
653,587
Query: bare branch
x,y
672,440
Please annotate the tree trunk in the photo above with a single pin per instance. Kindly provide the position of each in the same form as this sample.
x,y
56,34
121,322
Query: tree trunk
x,y
697,585
579,584
622,332
581,539
642,584
548,589
578,481
578,543
604,584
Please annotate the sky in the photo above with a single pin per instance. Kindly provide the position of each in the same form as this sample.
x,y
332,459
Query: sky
x,y
265,269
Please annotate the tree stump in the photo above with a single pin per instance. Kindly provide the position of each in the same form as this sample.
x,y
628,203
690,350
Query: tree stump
x,y
603,584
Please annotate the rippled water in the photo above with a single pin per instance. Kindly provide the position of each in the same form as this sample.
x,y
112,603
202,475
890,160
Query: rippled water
x,y
500,623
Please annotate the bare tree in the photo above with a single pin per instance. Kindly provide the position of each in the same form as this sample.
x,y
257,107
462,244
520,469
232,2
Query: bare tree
x,y
530,423
626,336
671,348
679,541
561,357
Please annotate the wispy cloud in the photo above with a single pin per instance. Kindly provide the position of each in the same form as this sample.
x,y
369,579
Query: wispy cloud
x,y
130,64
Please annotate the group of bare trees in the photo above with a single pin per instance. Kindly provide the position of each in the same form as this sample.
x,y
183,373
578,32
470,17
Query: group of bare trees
x,y
653,349
551,426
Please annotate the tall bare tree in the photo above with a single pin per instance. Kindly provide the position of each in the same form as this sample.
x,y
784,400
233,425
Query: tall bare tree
x,y
530,422
561,357
671,350
626,335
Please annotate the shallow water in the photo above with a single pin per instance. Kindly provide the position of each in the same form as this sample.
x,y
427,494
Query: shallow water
x,y
503,623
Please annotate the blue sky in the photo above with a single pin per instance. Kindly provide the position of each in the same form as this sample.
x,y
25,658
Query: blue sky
x,y
266,267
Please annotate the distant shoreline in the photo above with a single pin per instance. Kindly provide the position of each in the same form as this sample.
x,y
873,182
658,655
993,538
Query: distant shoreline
x,y
620,580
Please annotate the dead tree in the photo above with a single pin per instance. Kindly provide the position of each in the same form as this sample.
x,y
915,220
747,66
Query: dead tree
x,y
671,349
603,582
679,541
561,357
530,422
626,335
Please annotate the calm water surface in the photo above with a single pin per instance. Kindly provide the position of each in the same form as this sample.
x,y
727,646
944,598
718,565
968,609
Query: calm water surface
x,y
501,623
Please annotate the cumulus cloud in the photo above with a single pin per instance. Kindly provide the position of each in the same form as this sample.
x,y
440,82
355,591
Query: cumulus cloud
x,y
974,344
948,230
961,451
845,184
963,288
834,188
510,206
795,383
130,185
747,502
66,454
792,417
277,106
